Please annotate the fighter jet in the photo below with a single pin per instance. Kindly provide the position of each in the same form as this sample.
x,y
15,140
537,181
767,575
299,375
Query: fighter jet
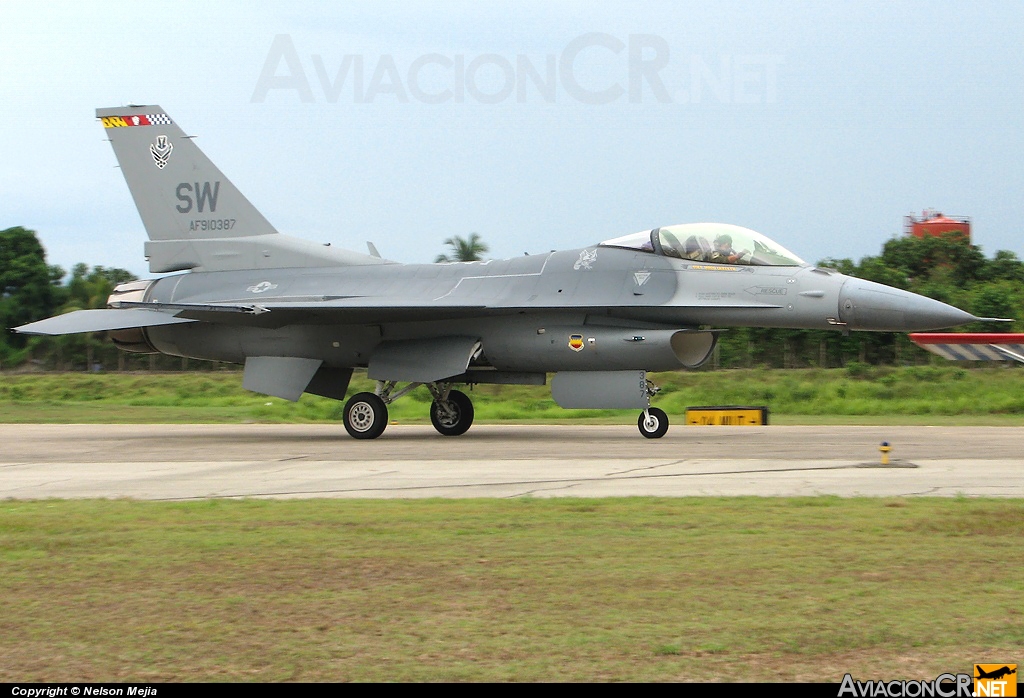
x,y
301,316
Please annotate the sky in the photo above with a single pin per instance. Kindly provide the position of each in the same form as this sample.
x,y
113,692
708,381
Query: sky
x,y
537,125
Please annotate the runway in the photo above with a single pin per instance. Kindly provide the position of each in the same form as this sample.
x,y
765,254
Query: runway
x,y
182,462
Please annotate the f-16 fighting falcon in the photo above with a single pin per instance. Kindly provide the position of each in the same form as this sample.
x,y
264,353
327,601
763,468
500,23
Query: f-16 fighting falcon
x,y
301,316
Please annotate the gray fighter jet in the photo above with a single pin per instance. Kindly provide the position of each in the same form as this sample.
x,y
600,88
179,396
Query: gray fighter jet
x,y
301,316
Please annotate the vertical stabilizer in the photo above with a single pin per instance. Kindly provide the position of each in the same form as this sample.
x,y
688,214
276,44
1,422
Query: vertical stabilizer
x,y
194,216
180,194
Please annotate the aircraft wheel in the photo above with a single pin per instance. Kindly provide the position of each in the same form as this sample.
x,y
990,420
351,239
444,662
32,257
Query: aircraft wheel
x,y
653,423
366,415
454,416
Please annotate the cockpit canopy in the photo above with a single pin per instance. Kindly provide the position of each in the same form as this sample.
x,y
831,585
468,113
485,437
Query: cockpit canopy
x,y
717,243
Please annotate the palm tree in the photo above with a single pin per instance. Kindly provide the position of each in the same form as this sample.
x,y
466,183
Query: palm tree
x,y
469,249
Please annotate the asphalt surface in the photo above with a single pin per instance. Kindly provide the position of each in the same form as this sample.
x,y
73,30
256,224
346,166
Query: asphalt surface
x,y
178,462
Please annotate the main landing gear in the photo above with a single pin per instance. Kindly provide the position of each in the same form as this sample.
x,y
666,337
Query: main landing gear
x,y
451,412
366,414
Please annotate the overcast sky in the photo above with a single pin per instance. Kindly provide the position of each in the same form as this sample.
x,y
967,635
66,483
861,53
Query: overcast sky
x,y
538,125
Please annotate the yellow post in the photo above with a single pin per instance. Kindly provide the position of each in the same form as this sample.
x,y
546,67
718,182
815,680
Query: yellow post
x,y
885,448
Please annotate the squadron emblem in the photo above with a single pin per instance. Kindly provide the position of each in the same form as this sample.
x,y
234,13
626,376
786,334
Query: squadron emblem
x,y
576,342
586,260
161,151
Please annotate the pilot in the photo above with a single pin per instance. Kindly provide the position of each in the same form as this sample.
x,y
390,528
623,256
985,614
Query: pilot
x,y
724,253
696,249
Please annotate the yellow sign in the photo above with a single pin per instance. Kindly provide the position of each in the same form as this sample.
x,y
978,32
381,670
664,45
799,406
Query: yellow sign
x,y
995,680
113,122
727,416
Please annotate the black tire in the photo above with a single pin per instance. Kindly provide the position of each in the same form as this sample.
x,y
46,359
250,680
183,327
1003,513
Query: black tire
x,y
366,416
453,417
655,425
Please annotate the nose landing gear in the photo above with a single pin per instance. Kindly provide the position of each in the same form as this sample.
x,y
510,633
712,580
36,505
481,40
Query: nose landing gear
x,y
653,423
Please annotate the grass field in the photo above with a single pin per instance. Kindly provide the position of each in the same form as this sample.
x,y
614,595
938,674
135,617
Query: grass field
x,y
857,395
744,589
638,589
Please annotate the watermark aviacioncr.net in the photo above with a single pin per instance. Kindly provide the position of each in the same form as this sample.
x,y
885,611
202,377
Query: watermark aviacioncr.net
x,y
593,69
987,681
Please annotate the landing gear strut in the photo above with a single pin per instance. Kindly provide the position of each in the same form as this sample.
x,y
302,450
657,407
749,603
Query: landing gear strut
x,y
451,412
653,423
366,414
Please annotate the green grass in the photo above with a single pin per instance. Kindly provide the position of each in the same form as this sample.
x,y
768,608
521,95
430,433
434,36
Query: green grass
x,y
633,589
858,395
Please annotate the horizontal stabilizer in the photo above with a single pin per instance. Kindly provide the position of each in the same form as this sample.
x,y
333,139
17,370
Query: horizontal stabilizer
x,y
99,321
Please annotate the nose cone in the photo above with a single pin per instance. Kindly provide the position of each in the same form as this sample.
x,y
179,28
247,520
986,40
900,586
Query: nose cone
x,y
865,305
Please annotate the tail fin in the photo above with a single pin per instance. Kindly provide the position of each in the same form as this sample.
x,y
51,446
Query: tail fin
x,y
180,194
194,216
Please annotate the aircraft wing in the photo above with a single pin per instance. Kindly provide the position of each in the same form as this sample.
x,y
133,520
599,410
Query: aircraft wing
x,y
355,309
131,314
972,346
374,309
307,310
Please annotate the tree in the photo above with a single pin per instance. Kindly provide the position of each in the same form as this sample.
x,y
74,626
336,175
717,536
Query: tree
x,y
949,256
464,250
1006,266
91,289
26,282
87,290
843,266
996,300
875,269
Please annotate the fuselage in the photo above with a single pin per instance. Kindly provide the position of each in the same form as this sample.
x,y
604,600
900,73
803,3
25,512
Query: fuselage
x,y
525,310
